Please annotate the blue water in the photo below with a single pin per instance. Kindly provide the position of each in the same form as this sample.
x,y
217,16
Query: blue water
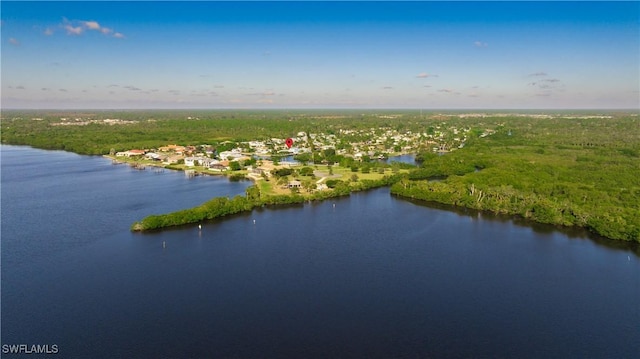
x,y
372,276
407,158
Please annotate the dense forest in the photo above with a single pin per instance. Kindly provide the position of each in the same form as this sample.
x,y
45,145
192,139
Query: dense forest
x,y
564,168
88,133
571,172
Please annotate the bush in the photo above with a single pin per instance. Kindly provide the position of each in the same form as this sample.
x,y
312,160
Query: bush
x,y
282,172
306,171
332,183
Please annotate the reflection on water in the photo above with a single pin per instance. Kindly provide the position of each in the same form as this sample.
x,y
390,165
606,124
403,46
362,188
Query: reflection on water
x,y
541,228
406,158
368,275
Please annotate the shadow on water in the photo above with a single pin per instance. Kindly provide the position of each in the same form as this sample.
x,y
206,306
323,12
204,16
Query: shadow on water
x,y
575,233
246,215
151,232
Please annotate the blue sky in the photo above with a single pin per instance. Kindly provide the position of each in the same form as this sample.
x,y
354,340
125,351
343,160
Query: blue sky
x,y
430,55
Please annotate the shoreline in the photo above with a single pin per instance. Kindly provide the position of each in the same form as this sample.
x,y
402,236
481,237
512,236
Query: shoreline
x,y
285,198
223,206
116,161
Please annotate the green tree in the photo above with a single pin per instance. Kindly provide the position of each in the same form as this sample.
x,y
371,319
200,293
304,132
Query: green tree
x,y
235,166
306,171
250,162
282,172
304,158
309,186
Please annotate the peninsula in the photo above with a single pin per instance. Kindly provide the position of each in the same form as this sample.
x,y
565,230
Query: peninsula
x,y
565,168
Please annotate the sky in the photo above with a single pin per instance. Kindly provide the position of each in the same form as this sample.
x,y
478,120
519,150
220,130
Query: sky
x,y
419,55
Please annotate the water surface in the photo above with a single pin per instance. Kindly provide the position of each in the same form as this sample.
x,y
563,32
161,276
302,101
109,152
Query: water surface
x,y
372,276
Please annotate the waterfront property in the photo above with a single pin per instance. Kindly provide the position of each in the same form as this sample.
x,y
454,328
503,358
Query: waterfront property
x,y
131,153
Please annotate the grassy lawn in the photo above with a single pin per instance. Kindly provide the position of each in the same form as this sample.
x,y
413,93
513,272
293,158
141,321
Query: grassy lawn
x,y
346,173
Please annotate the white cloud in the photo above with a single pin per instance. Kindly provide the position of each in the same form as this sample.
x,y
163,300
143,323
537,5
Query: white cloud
x,y
535,74
91,25
48,31
13,41
71,30
79,27
480,44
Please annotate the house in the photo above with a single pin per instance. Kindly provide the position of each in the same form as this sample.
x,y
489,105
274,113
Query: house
x,y
190,161
198,161
172,159
172,148
230,155
130,153
153,156
133,153
206,162
294,184
218,167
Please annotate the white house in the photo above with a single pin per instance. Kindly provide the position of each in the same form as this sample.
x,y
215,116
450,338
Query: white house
x,y
230,155
201,161
295,184
130,153
153,156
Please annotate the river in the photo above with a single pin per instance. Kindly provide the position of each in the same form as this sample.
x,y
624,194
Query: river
x,y
369,276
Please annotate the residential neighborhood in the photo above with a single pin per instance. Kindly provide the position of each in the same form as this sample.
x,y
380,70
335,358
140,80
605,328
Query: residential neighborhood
x,y
258,159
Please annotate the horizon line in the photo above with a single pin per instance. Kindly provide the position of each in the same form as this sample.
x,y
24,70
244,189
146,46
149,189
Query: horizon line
x,y
324,109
